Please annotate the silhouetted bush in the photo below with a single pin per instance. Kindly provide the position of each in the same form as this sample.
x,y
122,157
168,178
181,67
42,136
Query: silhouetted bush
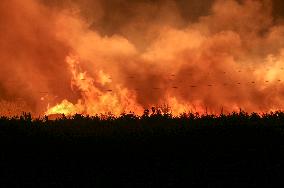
x,y
239,148
155,124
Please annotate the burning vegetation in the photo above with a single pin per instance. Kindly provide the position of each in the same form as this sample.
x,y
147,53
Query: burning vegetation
x,y
58,57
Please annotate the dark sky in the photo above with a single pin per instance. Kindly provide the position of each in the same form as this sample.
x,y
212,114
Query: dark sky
x,y
278,8
189,8
109,16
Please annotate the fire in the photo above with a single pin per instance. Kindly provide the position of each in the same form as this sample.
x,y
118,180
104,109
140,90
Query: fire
x,y
95,98
65,107
63,58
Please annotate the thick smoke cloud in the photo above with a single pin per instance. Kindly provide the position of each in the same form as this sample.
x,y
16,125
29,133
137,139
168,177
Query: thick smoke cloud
x,y
139,20
31,56
123,55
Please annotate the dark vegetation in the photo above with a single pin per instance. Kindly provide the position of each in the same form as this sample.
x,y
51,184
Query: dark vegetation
x,y
153,150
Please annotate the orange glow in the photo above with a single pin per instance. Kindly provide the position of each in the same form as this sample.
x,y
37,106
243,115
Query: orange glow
x,y
62,60
95,99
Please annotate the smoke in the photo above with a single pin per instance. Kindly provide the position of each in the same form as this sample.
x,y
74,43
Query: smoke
x,y
68,56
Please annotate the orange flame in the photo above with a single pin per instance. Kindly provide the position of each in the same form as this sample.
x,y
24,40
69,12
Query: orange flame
x,y
96,99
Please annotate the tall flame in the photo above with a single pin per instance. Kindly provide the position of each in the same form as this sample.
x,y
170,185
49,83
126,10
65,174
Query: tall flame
x,y
96,98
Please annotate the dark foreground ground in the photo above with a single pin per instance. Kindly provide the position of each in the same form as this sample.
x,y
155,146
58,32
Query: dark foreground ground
x,y
151,151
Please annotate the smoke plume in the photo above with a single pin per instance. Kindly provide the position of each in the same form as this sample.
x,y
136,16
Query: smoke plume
x,y
92,57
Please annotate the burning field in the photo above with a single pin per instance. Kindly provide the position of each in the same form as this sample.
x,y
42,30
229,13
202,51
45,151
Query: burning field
x,y
141,93
114,57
